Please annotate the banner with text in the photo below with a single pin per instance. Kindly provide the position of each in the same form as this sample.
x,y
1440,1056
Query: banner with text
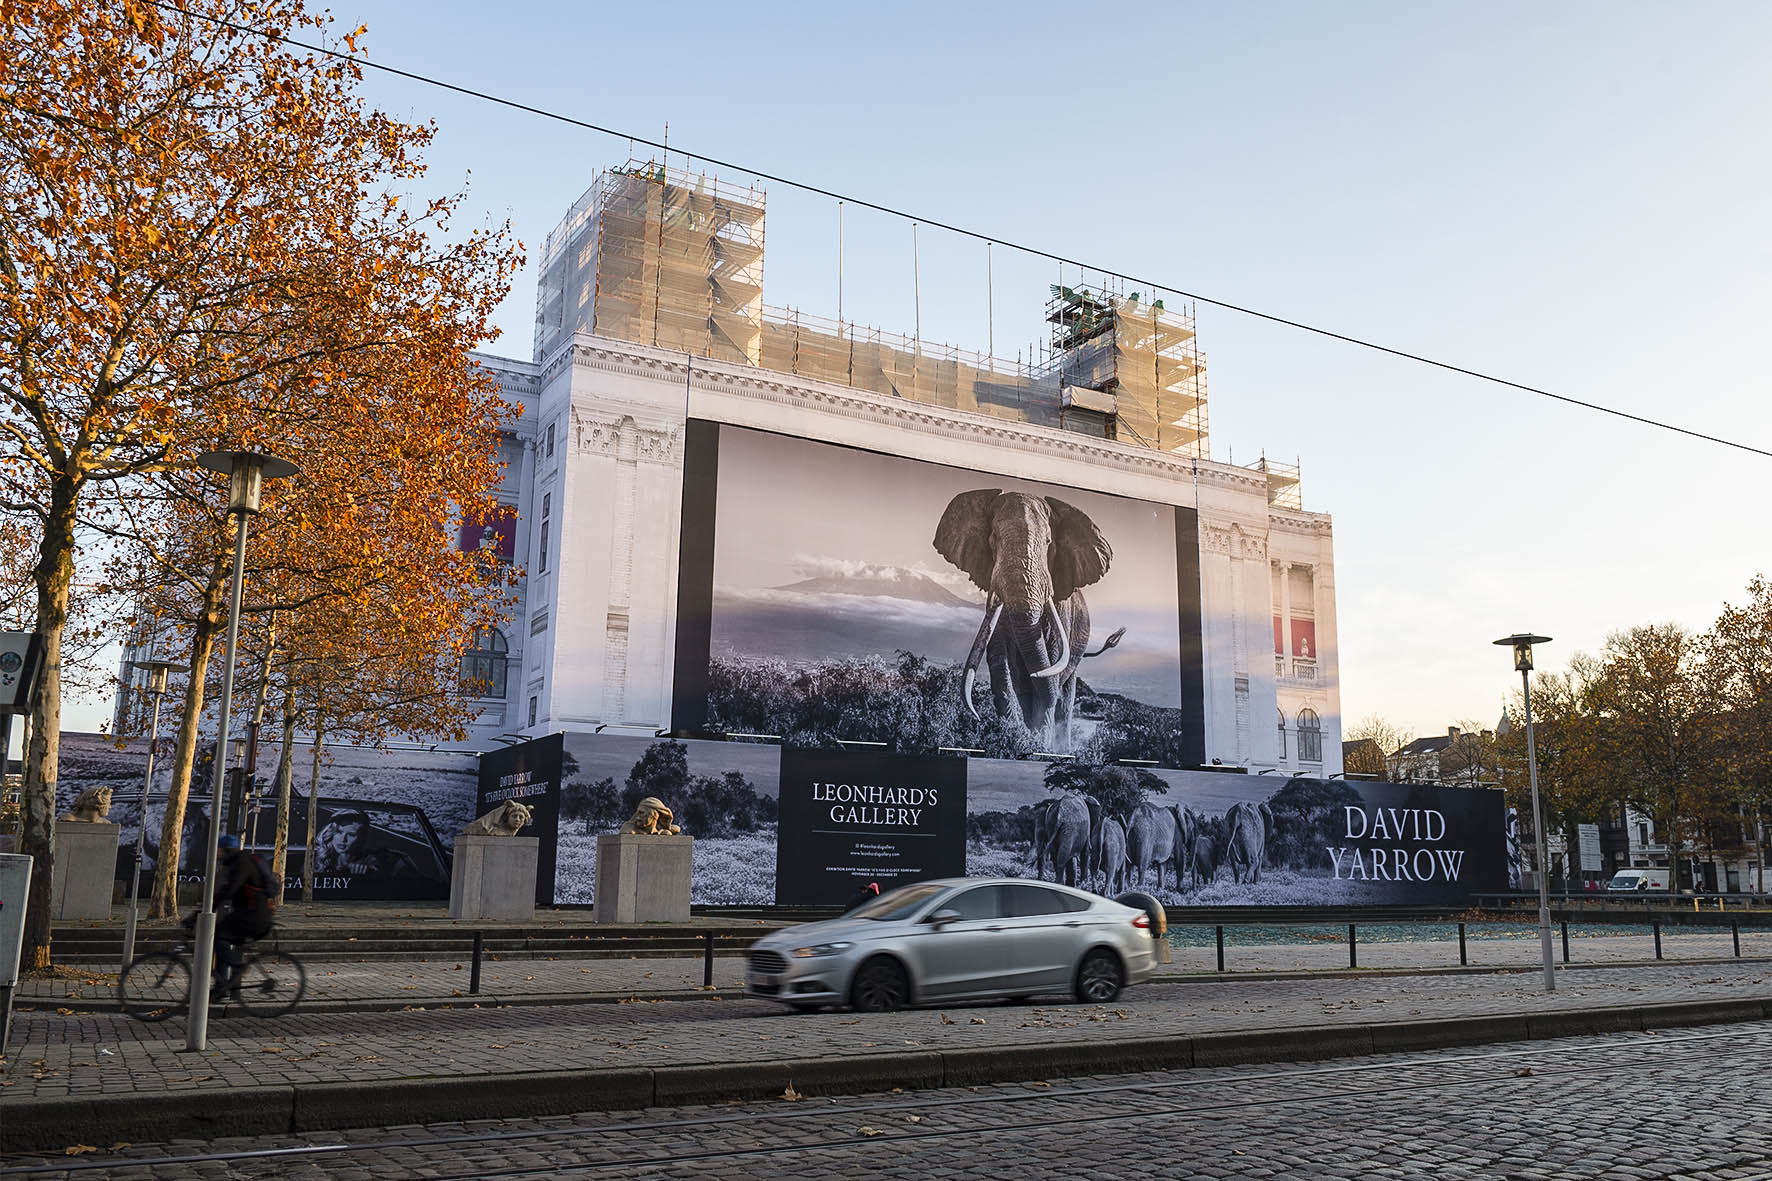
x,y
529,773
848,819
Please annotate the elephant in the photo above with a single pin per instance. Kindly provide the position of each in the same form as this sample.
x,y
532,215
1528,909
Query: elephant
x,y
1151,841
1246,832
1061,838
1203,857
1112,859
1031,555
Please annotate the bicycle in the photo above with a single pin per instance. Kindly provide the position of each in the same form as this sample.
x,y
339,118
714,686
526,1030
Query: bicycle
x,y
157,985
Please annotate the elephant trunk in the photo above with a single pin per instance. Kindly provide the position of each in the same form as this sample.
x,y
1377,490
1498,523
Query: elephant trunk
x,y
1064,643
992,609
1028,637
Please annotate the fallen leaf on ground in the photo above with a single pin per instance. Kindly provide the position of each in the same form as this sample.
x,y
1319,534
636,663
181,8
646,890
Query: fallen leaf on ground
x,y
1523,1072
978,1021
78,1149
272,1049
913,1119
118,1147
946,1020
1039,1084
64,1012
864,1130
791,1095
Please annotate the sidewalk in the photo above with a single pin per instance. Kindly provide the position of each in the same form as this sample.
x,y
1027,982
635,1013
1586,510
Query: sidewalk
x,y
98,1078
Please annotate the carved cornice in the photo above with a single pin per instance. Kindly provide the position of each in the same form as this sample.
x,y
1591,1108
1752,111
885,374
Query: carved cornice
x,y
620,436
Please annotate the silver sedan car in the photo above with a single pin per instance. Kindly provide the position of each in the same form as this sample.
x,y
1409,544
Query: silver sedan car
x,y
957,939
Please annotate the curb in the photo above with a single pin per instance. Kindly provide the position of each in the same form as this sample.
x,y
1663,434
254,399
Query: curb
x,y
40,1125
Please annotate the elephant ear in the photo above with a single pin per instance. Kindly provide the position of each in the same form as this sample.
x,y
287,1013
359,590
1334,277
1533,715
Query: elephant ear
x,y
1094,814
1080,554
964,535
1267,817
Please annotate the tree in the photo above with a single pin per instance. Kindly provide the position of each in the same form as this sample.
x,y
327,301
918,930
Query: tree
x,y
1469,760
1374,740
1738,662
196,221
662,771
1658,720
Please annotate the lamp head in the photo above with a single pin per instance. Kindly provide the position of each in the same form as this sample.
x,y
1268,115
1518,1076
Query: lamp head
x,y
247,472
157,671
1522,646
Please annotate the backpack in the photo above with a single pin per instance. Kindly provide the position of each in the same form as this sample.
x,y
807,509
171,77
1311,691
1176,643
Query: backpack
x,y
272,887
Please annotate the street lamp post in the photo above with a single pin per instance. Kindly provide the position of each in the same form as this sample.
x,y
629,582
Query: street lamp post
x,y
246,471
157,671
1522,646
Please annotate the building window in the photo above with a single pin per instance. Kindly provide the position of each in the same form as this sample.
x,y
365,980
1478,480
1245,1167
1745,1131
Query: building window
x,y
550,440
1282,736
532,704
484,664
1310,737
547,508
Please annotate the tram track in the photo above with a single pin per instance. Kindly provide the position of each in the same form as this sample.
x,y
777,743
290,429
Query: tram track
x,y
1303,1084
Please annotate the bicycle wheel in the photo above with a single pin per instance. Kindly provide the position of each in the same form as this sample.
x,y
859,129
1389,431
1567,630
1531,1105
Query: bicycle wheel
x,y
155,986
271,984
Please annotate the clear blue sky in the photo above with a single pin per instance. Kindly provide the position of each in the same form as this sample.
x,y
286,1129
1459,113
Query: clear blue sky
x,y
1570,195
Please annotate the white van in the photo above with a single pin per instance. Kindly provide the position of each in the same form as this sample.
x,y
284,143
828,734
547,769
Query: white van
x,y
1639,880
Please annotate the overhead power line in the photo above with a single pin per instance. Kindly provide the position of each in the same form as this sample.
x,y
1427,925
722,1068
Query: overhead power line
x,y
1241,309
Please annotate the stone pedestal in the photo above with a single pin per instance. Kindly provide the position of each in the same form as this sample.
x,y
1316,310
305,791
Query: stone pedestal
x,y
85,864
494,878
643,879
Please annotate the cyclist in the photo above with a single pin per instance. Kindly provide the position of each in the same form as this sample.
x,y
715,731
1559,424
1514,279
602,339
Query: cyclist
x,y
245,905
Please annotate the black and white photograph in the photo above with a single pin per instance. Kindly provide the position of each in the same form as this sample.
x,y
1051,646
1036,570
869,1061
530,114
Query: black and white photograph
x,y
865,597
1196,838
385,829
721,793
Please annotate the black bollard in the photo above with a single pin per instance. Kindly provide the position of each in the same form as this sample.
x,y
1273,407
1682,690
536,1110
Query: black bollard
x,y
1463,960
1565,941
1735,930
474,979
707,960
1657,927
1220,931
1353,951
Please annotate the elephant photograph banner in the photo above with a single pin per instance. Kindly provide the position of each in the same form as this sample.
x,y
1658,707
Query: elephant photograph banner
x,y
832,594
529,773
850,818
1191,838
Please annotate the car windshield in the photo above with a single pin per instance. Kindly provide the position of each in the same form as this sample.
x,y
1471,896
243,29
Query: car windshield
x,y
1625,879
896,904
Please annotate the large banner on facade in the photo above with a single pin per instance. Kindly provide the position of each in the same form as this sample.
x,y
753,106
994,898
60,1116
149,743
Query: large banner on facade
x,y
385,821
530,774
849,819
829,594
805,827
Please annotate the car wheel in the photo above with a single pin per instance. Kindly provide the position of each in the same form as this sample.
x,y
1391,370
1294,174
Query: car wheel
x,y
1099,978
880,987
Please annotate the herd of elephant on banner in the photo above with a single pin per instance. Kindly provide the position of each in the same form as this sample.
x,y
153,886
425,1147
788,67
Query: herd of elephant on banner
x,y
1079,843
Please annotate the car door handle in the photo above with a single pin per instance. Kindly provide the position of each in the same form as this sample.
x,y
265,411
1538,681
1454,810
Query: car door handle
x,y
993,928
1073,923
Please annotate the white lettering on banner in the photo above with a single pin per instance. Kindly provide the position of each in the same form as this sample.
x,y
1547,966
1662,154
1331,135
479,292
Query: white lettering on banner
x,y
904,817
1395,865
1391,824
847,793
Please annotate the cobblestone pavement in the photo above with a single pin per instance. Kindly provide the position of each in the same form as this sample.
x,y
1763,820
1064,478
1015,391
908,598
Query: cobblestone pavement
x,y
111,1054
445,979
1678,1105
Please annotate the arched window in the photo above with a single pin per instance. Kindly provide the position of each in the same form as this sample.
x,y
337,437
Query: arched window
x,y
1310,737
483,665
1282,734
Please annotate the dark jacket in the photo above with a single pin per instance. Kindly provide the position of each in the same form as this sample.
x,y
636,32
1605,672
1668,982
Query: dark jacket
x,y
245,896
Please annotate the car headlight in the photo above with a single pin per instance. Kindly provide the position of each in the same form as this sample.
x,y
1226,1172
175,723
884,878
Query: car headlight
x,y
818,949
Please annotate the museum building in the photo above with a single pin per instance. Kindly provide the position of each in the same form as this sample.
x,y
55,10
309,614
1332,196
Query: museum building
x,y
651,334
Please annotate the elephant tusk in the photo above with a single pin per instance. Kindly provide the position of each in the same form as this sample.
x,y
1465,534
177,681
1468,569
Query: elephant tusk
x,y
978,648
1064,644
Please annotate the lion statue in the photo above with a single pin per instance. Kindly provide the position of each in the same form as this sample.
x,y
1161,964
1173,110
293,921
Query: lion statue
x,y
93,804
506,820
651,818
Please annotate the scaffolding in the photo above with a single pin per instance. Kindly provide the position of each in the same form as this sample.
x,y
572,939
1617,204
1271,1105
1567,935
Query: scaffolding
x,y
1285,488
675,259
657,257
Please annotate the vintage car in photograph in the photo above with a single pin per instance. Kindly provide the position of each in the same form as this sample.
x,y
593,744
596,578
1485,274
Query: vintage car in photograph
x,y
958,939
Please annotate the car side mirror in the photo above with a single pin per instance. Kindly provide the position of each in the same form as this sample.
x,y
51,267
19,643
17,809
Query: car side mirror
x,y
942,917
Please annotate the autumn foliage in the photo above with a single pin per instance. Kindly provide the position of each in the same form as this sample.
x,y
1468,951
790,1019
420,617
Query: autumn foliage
x,y
207,240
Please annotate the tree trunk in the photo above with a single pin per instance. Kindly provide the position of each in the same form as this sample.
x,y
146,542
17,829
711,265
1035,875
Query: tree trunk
x,y
163,907
307,861
53,574
1759,852
285,777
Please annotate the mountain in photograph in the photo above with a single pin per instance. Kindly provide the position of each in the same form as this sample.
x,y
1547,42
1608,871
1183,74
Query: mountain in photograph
x,y
837,577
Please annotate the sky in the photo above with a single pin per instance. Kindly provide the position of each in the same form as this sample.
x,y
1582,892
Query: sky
x,y
1571,196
